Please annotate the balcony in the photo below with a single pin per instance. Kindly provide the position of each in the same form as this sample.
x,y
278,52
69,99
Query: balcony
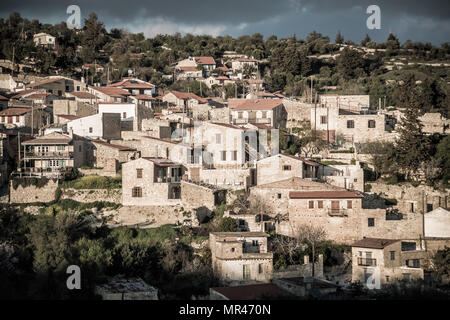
x,y
48,155
337,212
168,180
367,262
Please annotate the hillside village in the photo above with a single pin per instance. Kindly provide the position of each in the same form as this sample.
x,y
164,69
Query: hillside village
x,y
208,172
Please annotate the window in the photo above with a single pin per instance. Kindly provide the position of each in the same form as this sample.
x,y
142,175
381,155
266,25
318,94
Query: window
x,y
239,115
232,249
311,204
429,207
406,276
260,268
323,119
139,173
234,155
218,138
90,129
17,118
136,192
78,88
371,222
387,278
79,148
320,204
124,115
264,114
371,123
255,243
350,124
349,204
287,168
223,155
416,263
408,246
411,207
279,196
392,255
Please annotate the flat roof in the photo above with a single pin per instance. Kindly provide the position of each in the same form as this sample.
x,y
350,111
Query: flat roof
x,y
325,195
374,243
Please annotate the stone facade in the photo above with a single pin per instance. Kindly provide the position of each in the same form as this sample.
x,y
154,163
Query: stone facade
x,y
196,195
241,256
151,182
92,195
32,193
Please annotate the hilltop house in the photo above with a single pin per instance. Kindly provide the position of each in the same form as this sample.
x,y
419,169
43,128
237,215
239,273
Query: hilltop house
x,y
44,40
265,111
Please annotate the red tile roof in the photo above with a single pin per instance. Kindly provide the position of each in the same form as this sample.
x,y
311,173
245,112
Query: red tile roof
x,y
144,97
257,104
67,116
205,60
112,91
324,195
133,84
187,95
37,96
41,83
247,60
3,98
23,93
189,69
252,292
374,243
82,95
14,111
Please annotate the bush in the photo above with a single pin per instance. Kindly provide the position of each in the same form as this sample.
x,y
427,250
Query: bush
x,y
367,187
227,225
93,182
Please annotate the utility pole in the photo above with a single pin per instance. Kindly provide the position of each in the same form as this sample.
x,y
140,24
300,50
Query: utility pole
x,y
32,118
13,53
18,147
311,88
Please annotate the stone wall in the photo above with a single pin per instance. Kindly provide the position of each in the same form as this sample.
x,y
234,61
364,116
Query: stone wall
x,y
92,195
32,193
195,196
297,112
301,270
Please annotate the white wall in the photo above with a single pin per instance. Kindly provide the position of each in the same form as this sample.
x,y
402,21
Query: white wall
x,y
128,108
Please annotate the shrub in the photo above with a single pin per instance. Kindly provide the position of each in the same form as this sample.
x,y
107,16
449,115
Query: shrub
x,y
93,182
367,187
227,224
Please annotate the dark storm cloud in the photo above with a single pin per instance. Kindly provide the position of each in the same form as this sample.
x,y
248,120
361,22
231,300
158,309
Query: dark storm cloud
x,y
417,20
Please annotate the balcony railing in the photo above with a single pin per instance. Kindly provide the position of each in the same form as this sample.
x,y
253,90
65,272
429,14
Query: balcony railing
x,y
337,212
367,262
48,155
168,179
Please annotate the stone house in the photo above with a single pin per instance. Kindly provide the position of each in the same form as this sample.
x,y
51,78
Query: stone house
x,y
253,85
20,117
131,114
435,123
276,194
82,96
353,102
110,94
217,81
238,64
377,262
282,166
57,85
151,182
181,100
346,176
264,111
136,87
50,154
45,40
352,126
102,152
189,73
98,126
207,64
98,68
241,256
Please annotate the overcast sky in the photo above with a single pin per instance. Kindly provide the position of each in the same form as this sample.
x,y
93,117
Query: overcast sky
x,y
417,20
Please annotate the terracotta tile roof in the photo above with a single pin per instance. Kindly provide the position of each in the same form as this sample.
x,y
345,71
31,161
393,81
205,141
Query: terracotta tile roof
x,y
114,146
297,183
189,69
187,95
205,60
256,104
23,93
82,95
374,243
162,162
37,96
133,84
67,116
253,292
243,59
41,83
112,91
144,97
325,195
14,111
3,98
233,103
88,65
161,140
52,138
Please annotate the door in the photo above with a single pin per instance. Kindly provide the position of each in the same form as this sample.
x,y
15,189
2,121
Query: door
x,y
334,206
246,271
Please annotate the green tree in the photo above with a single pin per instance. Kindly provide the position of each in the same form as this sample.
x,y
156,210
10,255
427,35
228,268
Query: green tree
x,y
339,38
